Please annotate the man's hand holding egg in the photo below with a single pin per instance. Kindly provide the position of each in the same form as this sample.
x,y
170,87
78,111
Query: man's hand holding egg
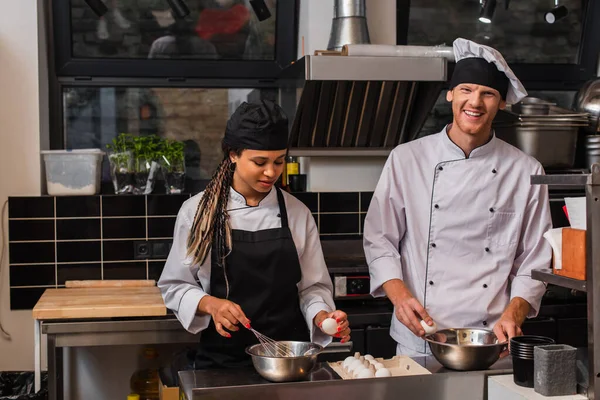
x,y
334,324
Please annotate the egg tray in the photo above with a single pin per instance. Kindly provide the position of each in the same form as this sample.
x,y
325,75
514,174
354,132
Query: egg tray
x,y
397,365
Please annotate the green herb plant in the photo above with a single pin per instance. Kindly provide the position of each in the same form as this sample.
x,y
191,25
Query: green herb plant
x,y
120,149
172,155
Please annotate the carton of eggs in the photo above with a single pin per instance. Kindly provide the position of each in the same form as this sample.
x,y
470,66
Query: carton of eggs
x,y
362,367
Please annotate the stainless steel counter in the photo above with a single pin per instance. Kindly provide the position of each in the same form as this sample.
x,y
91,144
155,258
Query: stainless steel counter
x,y
325,384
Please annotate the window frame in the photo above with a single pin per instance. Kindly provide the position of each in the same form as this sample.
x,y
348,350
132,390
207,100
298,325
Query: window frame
x,y
541,76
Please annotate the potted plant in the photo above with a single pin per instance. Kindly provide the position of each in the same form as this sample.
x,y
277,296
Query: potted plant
x,y
172,161
146,151
120,158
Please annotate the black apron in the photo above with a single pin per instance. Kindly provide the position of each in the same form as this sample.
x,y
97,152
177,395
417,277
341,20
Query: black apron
x,y
263,271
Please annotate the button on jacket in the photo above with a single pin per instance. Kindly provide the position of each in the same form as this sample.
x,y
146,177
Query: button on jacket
x,y
462,233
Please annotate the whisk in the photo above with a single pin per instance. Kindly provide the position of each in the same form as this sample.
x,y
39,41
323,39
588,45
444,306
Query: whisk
x,y
273,348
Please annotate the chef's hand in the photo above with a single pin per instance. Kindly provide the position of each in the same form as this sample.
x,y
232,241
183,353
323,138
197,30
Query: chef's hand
x,y
408,309
225,314
342,320
509,324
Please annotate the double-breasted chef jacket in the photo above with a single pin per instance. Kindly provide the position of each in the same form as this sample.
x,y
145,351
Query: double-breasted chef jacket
x,y
463,233
183,284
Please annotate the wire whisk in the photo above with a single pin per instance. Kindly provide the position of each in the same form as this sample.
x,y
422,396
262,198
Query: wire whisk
x,y
273,348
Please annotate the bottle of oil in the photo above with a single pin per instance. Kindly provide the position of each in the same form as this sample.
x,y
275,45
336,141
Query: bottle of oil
x,y
133,396
145,381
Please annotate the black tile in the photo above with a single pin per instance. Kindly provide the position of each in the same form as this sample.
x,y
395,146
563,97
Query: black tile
x,y
79,272
124,228
31,275
25,298
118,250
365,200
310,200
123,206
41,229
31,252
341,237
78,251
31,207
166,204
316,218
161,227
155,268
78,206
134,270
68,229
339,223
362,222
338,202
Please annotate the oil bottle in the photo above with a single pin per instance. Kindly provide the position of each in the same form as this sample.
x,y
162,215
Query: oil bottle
x,y
145,381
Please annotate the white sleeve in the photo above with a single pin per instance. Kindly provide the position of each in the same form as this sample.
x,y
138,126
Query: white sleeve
x,y
178,285
533,252
315,289
385,226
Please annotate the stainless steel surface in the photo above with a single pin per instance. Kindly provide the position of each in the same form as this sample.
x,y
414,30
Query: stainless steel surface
x,y
548,277
329,68
340,152
592,187
285,369
560,180
465,349
323,383
588,100
349,24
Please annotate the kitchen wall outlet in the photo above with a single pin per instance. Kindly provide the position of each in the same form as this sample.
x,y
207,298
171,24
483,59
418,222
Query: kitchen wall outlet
x,y
141,250
144,250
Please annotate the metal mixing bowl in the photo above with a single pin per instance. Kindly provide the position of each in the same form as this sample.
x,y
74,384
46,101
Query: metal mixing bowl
x,y
465,349
285,369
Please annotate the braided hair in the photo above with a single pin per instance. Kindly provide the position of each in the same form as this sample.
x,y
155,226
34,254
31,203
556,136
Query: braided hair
x,y
211,221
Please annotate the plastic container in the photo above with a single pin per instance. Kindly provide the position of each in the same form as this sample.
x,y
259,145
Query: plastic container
x,y
522,350
73,172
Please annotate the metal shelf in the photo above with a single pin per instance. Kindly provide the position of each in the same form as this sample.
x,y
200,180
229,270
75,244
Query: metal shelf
x,y
549,277
340,152
562,180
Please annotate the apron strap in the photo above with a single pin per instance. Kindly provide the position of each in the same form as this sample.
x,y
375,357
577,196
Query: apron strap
x,y
282,208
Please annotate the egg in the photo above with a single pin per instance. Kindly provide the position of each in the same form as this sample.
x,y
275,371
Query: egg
x,y
355,364
347,361
369,357
429,329
329,326
365,373
358,370
378,365
383,373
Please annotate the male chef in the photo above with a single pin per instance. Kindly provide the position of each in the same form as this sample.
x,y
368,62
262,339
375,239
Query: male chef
x,y
455,228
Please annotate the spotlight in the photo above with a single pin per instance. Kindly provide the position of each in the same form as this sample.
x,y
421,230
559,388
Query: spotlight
x,y
260,9
556,14
97,6
180,9
487,11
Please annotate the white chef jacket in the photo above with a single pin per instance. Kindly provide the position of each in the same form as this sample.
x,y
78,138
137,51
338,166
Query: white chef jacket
x,y
183,285
462,233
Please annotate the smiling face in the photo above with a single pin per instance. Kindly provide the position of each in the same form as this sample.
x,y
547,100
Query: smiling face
x,y
474,108
257,171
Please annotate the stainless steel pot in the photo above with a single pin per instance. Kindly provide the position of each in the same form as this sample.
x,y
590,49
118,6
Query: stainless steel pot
x,y
285,369
465,349
588,100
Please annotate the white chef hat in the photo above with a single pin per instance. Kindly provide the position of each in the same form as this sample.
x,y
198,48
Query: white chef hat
x,y
483,65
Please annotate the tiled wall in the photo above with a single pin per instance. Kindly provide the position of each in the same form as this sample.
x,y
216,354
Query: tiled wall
x,y
55,239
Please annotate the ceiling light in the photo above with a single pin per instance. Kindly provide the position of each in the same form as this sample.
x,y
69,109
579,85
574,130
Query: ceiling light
x,y
180,9
97,6
556,14
487,11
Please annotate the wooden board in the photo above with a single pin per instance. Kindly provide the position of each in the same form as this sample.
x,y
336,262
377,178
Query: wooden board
x,y
573,254
111,283
99,303
397,365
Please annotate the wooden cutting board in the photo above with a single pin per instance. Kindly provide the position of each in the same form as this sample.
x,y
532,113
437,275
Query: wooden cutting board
x,y
99,303
111,283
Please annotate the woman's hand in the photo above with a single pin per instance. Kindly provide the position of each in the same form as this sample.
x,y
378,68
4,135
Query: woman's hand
x,y
342,320
225,314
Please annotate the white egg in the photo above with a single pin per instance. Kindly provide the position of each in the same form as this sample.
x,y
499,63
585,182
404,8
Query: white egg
x,y
369,357
429,330
373,362
355,364
378,365
347,361
361,358
329,326
383,373
358,370
365,373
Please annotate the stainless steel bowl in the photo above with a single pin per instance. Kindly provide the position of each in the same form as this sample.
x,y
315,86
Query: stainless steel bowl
x,y
465,349
285,369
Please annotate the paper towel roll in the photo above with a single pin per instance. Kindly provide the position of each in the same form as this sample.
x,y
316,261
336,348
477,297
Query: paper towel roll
x,y
384,50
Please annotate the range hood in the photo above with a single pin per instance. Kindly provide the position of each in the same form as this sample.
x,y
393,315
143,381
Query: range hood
x,y
358,105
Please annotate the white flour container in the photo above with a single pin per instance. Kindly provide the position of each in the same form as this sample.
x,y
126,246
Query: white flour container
x,y
73,172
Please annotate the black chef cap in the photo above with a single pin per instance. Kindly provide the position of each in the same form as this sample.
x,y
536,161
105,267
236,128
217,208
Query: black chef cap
x,y
478,71
257,126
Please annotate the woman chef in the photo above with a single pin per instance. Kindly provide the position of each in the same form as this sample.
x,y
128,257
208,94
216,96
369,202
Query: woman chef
x,y
246,254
